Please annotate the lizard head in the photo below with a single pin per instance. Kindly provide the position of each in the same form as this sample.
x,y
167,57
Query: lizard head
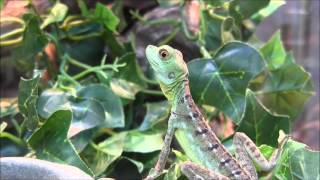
x,y
167,63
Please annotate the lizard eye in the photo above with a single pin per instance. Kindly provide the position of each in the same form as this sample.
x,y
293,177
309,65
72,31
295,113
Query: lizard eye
x,y
164,54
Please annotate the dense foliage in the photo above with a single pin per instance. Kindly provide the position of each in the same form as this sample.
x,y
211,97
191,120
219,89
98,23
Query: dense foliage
x,y
103,118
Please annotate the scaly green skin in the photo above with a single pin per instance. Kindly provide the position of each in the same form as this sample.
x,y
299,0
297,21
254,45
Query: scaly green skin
x,y
210,158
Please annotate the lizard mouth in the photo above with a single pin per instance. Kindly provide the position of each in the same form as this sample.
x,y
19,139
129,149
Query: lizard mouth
x,y
149,51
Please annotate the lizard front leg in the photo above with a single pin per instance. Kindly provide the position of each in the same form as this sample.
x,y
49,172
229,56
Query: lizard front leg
x,y
165,151
247,153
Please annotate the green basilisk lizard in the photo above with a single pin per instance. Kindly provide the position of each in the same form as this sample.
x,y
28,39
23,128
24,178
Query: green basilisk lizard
x,y
214,161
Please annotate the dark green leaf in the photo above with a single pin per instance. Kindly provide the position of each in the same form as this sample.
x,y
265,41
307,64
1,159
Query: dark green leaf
x,y
156,114
57,14
33,42
82,139
113,44
138,164
27,101
51,143
241,10
260,125
132,71
94,105
111,103
223,80
286,89
86,113
106,17
215,30
274,52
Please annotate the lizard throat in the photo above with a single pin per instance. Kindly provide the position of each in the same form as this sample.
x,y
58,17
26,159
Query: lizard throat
x,y
176,90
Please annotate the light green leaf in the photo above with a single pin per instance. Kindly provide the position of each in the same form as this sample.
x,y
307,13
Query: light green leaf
x,y
136,141
156,115
274,52
298,161
27,101
3,126
106,17
124,89
267,11
8,107
57,14
222,81
51,143
173,172
260,125
83,7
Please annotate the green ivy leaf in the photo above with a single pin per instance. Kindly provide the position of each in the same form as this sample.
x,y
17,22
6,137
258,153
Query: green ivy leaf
x,y
260,125
94,105
223,80
286,89
274,52
114,117
106,17
86,113
267,11
33,42
27,101
241,10
138,164
51,143
107,152
57,14
298,161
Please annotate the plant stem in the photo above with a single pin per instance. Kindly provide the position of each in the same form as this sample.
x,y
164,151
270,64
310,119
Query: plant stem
x,y
13,138
97,68
65,58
